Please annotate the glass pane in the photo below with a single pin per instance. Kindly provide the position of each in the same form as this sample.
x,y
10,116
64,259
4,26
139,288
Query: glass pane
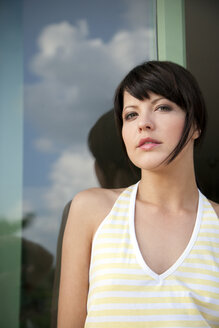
x,y
11,139
75,54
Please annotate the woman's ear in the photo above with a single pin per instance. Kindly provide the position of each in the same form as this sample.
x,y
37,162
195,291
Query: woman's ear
x,y
196,133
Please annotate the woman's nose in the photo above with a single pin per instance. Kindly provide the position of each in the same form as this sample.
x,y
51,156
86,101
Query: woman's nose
x,y
146,123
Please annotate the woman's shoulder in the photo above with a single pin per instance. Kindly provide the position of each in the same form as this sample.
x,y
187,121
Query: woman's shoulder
x,y
96,198
90,207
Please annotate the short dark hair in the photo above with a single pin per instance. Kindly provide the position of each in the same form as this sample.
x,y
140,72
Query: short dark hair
x,y
173,82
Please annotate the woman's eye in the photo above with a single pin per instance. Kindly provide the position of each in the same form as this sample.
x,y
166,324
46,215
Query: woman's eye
x,y
164,108
130,116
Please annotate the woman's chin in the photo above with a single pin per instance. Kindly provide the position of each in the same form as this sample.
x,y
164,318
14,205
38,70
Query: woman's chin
x,y
150,162
151,165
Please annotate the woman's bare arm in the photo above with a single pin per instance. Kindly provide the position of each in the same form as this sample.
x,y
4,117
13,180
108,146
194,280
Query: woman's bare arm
x,y
87,211
75,264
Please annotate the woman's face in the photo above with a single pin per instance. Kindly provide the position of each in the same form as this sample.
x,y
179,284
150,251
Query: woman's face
x,y
151,129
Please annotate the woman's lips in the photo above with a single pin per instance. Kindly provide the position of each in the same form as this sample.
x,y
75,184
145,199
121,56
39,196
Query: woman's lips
x,y
148,143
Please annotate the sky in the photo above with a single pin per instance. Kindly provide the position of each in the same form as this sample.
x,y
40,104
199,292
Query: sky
x,y
11,106
75,54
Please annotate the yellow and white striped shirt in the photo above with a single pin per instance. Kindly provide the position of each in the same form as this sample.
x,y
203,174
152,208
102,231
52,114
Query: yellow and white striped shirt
x,y
125,293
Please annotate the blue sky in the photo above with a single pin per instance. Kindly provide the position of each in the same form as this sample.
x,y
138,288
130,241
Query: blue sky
x,y
75,54
104,19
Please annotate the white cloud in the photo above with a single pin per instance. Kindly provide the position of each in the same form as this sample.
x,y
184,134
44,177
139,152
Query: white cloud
x,y
57,37
78,76
71,173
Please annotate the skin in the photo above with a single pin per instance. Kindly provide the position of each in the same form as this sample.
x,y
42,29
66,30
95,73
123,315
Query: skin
x,y
156,118
167,197
166,203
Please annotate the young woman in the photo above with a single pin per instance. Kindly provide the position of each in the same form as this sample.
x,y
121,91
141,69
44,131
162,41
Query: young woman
x,y
146,256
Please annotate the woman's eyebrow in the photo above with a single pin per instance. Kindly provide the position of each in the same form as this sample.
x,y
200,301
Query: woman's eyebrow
x,y
130,106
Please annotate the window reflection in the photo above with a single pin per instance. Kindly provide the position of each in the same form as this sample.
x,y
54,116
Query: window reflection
x,y
112,167
74,56
113,170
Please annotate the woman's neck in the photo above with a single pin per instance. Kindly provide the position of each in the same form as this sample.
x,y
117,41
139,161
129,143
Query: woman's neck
x,y
173,186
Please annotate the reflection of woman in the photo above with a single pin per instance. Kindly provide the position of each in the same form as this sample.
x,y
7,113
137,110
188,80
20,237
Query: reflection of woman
x,y
155,258
112,168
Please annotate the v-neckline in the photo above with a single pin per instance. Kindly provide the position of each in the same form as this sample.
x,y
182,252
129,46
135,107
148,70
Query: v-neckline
x,y
179,261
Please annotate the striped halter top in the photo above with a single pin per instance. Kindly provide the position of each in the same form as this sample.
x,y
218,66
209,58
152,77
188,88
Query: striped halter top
x,y
125,293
